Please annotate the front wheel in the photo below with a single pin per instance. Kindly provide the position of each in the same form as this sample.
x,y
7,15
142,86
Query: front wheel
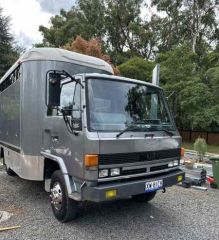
x,y
144,197
64,208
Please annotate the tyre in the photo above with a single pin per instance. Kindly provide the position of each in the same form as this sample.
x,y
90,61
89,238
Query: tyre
x,y
9,171
64,208
145,197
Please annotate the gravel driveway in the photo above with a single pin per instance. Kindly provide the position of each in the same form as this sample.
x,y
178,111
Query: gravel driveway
x,y
178,214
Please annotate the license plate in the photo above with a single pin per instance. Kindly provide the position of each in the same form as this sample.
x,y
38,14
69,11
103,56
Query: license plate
x,y
153,185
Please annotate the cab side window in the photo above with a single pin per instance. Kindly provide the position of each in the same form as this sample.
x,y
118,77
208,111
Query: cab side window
x,y
12,78
76,111
66,98
77,102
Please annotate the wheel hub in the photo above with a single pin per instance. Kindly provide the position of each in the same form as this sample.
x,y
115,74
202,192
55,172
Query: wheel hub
x,y
56,196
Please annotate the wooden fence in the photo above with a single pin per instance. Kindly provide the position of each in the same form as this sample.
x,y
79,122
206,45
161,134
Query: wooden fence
x,y
210,137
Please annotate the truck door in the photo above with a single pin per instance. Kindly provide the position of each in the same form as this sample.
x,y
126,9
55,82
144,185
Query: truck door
x,y
67,136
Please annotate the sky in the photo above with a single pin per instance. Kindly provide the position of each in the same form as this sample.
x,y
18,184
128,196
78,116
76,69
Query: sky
x,y
27,15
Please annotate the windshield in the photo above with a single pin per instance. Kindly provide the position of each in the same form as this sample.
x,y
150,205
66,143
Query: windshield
x,y
114,105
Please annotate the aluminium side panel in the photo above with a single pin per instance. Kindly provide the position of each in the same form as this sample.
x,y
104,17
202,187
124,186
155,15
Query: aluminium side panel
x,y
32,164
10,121
10,116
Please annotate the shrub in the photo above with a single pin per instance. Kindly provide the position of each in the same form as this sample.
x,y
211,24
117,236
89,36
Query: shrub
x,y
200,146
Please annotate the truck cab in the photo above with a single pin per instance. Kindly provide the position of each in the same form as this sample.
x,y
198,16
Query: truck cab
x,y
123,139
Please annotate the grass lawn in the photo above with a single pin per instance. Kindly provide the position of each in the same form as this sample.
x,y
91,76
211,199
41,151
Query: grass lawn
x,y
211,148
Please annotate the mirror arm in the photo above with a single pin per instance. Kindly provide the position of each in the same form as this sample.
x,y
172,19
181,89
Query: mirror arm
x,y
68,123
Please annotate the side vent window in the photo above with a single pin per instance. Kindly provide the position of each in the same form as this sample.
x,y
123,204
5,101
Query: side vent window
x,y
12,78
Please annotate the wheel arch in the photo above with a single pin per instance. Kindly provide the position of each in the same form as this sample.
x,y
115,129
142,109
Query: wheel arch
x,y
50,166
52,162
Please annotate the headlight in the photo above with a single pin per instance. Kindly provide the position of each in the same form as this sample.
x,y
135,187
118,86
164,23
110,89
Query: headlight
x,y
103,173
170,164
175,162
114,171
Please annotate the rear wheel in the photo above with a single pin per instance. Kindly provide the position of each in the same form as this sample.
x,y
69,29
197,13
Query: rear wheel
x,y
7,169
144,197
64,208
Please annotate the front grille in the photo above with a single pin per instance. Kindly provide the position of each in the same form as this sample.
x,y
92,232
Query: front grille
x,y
120,158
133,171
158,168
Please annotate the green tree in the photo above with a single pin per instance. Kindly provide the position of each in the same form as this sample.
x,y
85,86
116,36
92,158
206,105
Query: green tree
x,y
86,18
122,22
170,28
177,66
212,78
8,53
91,15
210,60
117,23
195,89
197,106
201,22
125,34
137,68
63,28
188,20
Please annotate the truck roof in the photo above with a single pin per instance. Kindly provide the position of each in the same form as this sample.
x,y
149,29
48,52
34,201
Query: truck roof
x,y
57,54
113,77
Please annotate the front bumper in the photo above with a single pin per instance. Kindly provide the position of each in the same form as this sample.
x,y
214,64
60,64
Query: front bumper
x,y
129,188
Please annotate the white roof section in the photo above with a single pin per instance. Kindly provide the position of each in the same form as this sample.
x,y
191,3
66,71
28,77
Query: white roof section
x,y
61,55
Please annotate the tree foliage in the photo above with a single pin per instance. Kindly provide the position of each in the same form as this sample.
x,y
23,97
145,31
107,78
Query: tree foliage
x,y
125,33
85,19
212,78
196,88
137,68
122,22
117,23
8,53
193,21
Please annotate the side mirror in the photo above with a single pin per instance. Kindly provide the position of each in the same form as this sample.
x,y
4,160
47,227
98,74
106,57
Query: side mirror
x,y
53,89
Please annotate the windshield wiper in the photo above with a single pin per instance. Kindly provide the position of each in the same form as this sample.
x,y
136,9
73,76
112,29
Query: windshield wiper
x,y
127,129
164,130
